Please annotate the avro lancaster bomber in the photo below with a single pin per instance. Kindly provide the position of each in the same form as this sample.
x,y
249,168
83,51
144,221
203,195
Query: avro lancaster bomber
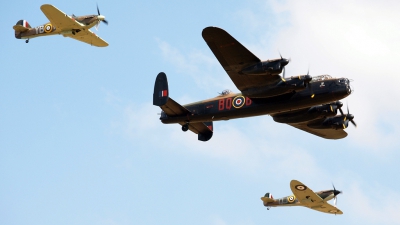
x,y
307,103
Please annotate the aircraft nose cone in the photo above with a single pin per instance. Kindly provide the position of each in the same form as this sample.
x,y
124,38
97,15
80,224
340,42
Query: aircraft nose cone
x,y
284,62
336,192
101,17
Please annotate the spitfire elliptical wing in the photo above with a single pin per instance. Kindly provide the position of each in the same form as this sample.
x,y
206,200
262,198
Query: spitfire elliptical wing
x,y
308,198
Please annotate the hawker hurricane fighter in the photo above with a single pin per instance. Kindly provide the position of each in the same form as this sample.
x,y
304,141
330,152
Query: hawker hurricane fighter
x,y
304,196
305,102
76,27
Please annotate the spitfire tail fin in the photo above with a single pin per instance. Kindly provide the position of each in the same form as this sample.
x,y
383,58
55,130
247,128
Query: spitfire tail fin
x,y
267,198
160,94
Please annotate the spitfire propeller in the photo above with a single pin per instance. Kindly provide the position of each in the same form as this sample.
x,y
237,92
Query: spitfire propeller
x,y
335,193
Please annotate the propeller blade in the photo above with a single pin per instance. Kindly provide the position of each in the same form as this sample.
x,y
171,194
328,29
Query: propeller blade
x,y
105,21
335,200
98,11
341,111
350,117
308,83
284,72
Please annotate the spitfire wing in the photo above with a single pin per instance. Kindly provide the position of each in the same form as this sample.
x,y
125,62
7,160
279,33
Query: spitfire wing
x,y
324,133
327,208
89,37
59,19
234,57
304,194
308,198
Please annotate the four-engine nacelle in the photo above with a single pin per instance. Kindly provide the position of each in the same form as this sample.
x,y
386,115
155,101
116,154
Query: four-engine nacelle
x,y
337,123
292,84
269,67
305,115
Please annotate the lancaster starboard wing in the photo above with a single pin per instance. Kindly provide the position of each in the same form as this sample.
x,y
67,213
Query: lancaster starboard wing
x,y
88,37
234,57
324,133
59,19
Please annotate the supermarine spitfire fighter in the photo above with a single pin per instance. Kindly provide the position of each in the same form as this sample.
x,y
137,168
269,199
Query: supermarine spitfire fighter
x,y
76,27
304,196
305,102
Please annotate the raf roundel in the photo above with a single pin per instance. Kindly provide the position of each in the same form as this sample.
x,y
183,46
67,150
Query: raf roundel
x,y
301,187
48,28
238,102
291,199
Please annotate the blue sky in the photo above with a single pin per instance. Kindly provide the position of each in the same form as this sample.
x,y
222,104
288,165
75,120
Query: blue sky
x,y
81,142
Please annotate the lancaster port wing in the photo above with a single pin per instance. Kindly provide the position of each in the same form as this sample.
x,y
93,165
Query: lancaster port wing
x,y
234,58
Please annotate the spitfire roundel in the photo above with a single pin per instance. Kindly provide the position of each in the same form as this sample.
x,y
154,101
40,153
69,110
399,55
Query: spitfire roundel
x,y
291,199
238,102
301,187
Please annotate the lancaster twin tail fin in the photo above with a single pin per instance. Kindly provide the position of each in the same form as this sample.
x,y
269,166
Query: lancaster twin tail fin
x,y
160,95
171,108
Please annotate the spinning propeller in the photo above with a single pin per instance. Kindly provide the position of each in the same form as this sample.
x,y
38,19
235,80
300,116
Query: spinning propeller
x,y
307,80
335,192
348,116
100,18
284,62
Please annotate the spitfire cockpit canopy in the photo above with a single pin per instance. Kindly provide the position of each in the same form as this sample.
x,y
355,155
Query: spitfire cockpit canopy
x,y
321,77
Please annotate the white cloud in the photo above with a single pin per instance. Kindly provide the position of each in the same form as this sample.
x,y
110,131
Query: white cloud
x,y
202,68
353,39
372,204
251,147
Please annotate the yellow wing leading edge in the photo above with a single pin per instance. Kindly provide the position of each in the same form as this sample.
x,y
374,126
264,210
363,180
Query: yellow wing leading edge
x,y
308,198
